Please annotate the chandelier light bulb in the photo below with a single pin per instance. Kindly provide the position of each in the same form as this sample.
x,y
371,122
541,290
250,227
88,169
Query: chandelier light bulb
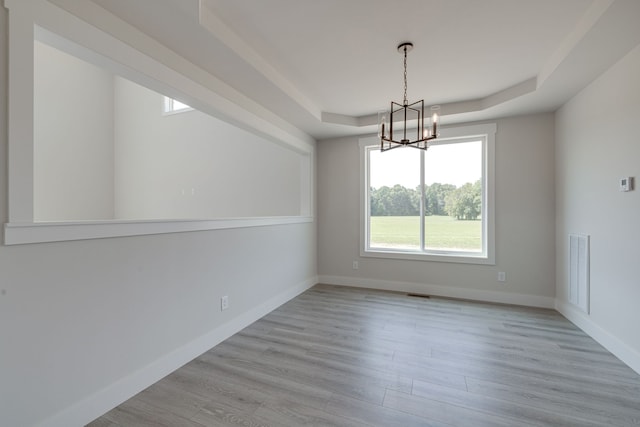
x,y
382,123
435,110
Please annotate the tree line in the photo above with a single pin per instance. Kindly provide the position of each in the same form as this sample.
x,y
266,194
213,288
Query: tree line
x,y
464,202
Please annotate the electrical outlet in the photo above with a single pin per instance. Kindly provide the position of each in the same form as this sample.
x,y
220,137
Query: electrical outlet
x,y
224,302
502,276
626,183
355,265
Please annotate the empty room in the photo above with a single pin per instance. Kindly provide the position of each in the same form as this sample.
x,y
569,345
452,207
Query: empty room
x,y
319,213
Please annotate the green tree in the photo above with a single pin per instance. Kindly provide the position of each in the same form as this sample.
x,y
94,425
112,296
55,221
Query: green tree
x,y
435,198
377,208
465,202
402,202
394,201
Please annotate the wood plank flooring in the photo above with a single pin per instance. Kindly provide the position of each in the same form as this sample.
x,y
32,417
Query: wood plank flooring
x,y
337,356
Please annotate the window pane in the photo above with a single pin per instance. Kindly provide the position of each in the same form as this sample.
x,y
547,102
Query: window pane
x,y
453,197
177,105
173,105
394,199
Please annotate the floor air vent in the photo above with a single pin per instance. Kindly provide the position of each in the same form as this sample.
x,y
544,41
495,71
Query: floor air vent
x,y
418,295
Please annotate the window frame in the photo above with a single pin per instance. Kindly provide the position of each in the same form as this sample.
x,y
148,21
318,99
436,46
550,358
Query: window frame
x,y
463,133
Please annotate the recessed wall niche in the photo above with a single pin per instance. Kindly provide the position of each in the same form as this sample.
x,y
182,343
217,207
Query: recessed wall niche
x,y
105,150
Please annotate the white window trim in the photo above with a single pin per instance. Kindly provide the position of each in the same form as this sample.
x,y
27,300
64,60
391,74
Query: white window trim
x,y
25,19
488,202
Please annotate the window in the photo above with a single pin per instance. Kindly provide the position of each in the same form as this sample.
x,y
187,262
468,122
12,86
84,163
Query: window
x,y
431,205
174,106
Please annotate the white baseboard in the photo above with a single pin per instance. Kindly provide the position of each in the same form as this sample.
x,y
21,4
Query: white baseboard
x,y
622,351
104,400
442,291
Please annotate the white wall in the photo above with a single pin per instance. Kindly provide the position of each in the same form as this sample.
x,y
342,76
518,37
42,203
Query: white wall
x,y
73,138
524,224
597,143
84,324
192,165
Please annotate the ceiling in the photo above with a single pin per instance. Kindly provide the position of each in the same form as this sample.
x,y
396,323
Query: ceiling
x,y
329,66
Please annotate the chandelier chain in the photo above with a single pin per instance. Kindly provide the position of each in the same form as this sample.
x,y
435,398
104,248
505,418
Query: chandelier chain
x,y
405,76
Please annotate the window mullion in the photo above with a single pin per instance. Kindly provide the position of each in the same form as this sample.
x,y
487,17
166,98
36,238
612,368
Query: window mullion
x,y
422,202
367,201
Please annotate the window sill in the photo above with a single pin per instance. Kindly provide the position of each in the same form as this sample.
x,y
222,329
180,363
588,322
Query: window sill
x,y
459,257
41,232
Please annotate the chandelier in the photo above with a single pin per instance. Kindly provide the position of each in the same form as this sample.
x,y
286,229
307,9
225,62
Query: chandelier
x,y
406,114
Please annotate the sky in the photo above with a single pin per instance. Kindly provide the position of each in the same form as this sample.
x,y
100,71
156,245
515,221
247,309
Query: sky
x,y
454,164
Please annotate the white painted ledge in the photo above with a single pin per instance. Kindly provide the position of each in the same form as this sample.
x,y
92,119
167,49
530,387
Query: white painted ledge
x,y
41,232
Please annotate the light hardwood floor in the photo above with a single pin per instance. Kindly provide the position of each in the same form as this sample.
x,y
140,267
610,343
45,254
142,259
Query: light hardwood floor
x,y
337,356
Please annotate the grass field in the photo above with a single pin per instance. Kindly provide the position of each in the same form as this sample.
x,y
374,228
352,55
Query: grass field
x,y
441,232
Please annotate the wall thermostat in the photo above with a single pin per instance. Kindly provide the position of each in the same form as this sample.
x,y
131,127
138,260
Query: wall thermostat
x,y
626,183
